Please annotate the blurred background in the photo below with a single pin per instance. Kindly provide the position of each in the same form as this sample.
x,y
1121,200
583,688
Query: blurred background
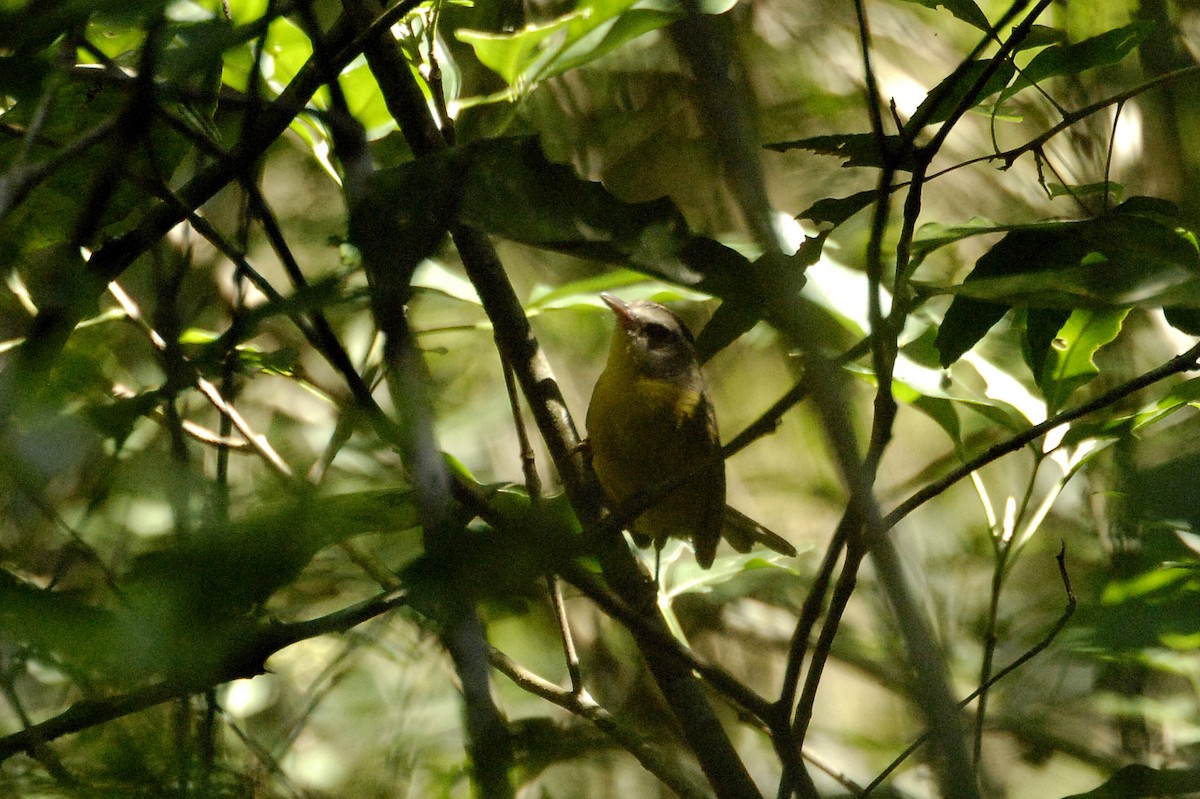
x,y
118,460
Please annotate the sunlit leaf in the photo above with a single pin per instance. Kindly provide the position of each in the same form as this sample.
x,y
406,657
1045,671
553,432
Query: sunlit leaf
x,y
542,50
1070,363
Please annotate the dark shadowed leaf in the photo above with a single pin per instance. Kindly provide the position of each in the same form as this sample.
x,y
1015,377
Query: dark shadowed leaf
x,y
1137,780
966,10
961,84
1138,254
1041,325
836,210
855,149
1184,319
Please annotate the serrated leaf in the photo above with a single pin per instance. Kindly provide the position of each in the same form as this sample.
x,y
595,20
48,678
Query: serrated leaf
x,y
855,149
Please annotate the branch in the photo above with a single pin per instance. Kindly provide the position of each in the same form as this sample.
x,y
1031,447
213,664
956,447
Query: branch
x,y
50,329
1184,362
244,662
1031,653
661,765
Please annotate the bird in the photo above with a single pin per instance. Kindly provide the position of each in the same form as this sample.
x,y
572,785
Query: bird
x,y
650,421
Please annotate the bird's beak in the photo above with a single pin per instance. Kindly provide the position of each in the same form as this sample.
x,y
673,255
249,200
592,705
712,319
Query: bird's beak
x,y
622,310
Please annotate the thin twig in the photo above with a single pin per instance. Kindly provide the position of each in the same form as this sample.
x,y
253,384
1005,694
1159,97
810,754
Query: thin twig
x,y
1028,655
258,442
1184,362
662,765
247,661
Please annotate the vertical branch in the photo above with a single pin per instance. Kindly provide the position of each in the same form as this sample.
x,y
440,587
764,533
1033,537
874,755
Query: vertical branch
x,y
518,346
533,486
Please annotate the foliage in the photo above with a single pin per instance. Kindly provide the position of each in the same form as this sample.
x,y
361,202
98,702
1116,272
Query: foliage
x,y
293,501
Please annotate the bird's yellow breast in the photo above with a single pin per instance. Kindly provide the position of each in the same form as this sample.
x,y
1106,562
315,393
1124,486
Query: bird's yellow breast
x,y
643,432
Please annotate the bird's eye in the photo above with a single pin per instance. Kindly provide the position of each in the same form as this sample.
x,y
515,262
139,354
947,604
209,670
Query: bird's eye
x,y
658,336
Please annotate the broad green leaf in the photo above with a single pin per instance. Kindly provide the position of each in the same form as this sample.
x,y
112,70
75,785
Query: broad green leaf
x,y
509,55
585,291
508,188
402,217
1072,59
57,627
289,49
966,322
1042,36
935,235
1185,319
1135,255
1041,326
543,50
366,102
511,190
1070,363
1181,395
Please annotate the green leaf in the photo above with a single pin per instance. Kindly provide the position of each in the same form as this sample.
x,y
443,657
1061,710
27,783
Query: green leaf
x,y
1138,254
1186,320
1105,49
966,322
1086,189
966,10
585,292
836,210
58,627
1041,326
402,217
542,50
1137,780
1070,362
1042,36
512,190
951,92
508,188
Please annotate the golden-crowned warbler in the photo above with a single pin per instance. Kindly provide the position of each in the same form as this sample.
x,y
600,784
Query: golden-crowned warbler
x,y
650,421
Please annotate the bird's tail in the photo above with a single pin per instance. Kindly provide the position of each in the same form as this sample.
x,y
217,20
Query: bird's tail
x,y
743,533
